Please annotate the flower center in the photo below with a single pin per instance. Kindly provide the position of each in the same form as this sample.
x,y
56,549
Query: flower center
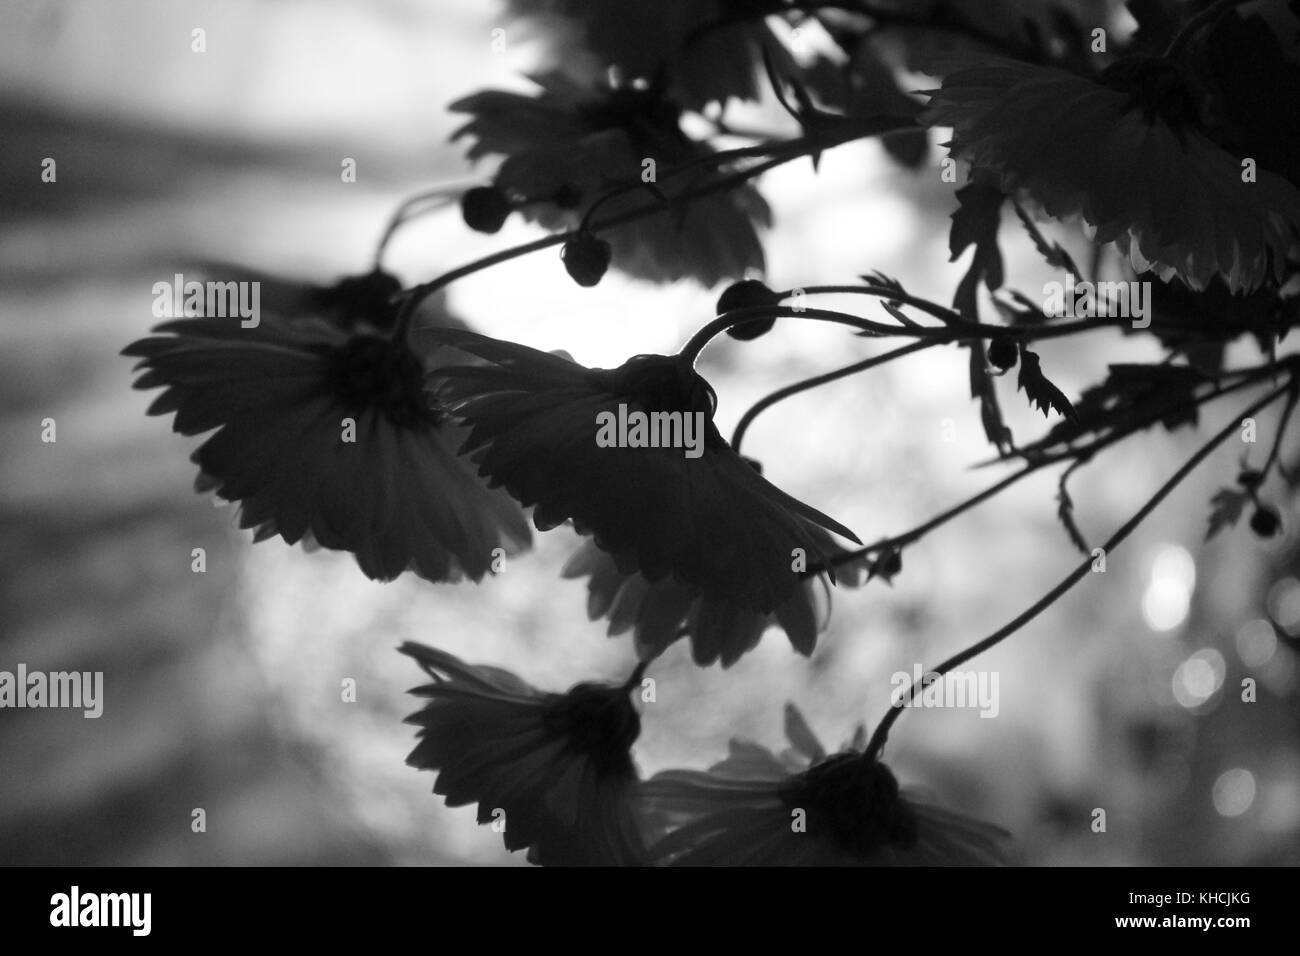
x,y
660,383
372,372
1155,86
856,801
600,723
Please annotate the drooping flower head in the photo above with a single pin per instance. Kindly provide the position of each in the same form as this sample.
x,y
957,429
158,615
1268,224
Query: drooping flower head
x,y
324,435
1128,154
555,769
805,808
699,513
660,612
569,145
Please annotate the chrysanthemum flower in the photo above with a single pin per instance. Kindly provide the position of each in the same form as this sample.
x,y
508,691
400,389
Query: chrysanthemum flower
x,y
710,50
709,519
556,769
805,808
659,612
1126,153
324,435
569,145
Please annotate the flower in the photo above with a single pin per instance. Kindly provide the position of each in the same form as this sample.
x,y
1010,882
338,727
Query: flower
x,y
700,513
1127,153
660,612
804,808
558,766
710,50
570,145
324,435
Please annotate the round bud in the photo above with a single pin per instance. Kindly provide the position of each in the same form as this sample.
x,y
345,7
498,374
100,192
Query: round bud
x,y
744,295
484,208
1265,522
363,298
1003,353
586,257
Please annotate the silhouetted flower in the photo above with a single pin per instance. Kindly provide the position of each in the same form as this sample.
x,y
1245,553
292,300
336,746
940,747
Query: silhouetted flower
x,y
1128,155
659,612
569,145
325,435
696,510
710,50
555,769
804,808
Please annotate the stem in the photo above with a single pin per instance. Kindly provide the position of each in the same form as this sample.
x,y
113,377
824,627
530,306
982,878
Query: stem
x,y
797,148
948,316
1285,417
878,738
405,211
637,674
817,380
1079,454
691,350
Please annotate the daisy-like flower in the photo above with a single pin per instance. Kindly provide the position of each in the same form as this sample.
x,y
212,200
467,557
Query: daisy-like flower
x,y
659,612
555,769
324,435
569,145
710,50
805,808
699,513
1128,155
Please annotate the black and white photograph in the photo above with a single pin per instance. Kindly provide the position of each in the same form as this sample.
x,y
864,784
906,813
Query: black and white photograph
x,y
650,434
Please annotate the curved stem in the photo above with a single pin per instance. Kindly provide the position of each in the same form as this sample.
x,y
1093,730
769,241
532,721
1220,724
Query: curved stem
x,y
878,738
815,381
1077,455
691,350
801,147
406,211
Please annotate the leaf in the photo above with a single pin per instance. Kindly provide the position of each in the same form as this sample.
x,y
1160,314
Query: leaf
x,y
878,278
800,734
1020,310
975,223
1225,510
886,565
1053,254
897,313
1042,393
1065,512
982,388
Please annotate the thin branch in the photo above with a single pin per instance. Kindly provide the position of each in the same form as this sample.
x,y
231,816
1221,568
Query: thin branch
x,y
878,738
815,381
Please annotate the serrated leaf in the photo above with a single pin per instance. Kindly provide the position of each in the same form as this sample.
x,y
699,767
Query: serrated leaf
x,y
1042,394
1225,510
1052,253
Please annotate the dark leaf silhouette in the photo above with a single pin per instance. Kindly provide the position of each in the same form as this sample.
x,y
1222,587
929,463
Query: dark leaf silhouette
x,y
1042,394
1225,510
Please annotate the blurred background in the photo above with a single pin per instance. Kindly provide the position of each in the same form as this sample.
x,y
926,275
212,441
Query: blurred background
x,y
222,689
